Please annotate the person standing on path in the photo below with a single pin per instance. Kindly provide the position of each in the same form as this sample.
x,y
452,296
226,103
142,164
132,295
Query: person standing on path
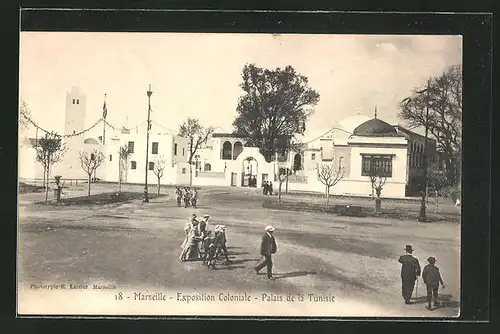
x,y
432,279
267,248
410,270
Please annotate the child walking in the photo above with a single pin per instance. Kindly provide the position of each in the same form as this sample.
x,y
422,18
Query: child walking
x,y
432,279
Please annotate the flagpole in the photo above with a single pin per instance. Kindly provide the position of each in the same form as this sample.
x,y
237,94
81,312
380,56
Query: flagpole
x,y
104,114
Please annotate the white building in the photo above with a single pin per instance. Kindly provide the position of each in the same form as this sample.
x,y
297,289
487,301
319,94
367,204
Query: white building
x,y
225,160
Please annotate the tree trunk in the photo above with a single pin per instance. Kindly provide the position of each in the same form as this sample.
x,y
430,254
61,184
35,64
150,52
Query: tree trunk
x,y
47,179
279,191
44,175
327,195
450,171
286,186
158,185
190,174
378,205
119,176
90,177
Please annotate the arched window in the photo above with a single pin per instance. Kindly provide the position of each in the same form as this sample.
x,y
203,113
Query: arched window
x,y
297,162
92,156
207,167
341,162
227,150
238,148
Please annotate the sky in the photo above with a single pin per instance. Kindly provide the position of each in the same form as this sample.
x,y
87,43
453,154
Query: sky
x,y
198,75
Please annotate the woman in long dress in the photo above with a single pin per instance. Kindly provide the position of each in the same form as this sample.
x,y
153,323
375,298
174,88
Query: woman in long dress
x,y
191,251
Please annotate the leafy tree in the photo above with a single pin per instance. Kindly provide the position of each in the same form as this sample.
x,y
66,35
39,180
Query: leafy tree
x,y
90,162
274,108
159,166
49,150
443,97
197,135
329,174
123,155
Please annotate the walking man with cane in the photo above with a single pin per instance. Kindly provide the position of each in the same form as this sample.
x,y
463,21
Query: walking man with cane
x,y
410,270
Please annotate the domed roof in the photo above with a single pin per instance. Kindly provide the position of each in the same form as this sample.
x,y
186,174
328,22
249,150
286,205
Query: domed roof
x,y
375,128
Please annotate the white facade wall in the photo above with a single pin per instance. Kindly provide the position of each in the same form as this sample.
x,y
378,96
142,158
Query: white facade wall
x,y
175,162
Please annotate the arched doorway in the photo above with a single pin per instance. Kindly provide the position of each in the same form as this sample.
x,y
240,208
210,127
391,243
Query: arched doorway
x,y
237,149
297,162
249,172
227,151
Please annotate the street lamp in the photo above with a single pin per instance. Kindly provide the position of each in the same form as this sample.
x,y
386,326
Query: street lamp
x,y
146,198
422,216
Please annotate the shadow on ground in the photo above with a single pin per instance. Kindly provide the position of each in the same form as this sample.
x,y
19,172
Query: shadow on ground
x,y
294,274
445,301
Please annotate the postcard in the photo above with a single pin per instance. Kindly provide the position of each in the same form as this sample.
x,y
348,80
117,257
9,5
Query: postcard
x,y
239,174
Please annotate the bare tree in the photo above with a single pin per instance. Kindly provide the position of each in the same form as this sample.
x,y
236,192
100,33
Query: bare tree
x,y
123,155
24,116
159,167
443,98
377,177
283,174
49,150
197,135
329,174
90,162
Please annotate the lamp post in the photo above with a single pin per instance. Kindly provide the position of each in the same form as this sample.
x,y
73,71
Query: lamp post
x,y
423,217
146,198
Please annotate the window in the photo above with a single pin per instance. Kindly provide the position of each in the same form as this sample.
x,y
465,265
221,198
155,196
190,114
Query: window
x,y
313,156
183,151
92,156
379,163
184,171
341,162
208,167
151,165
77,101
175,149
131,147
110,157
154,148
133,165
74,101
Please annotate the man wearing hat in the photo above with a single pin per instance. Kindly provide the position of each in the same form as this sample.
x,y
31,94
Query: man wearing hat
x,y
267,248
410,270
220,242
432,279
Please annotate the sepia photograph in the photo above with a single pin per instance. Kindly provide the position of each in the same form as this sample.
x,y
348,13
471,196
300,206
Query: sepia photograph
x,y
239,174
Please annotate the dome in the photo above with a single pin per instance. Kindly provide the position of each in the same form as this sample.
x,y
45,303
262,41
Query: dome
x,y
375,128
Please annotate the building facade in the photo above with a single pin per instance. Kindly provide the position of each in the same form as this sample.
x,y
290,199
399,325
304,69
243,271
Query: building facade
x,y
355,144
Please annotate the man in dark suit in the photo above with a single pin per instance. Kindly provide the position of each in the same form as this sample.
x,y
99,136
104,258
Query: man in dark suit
x,y
267,248
410,270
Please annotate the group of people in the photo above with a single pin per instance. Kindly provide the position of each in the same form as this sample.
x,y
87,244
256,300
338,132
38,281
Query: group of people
x,y
189,195
267,188
411,270
201,244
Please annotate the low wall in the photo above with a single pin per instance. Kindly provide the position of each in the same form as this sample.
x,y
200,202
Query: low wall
x,y
211,181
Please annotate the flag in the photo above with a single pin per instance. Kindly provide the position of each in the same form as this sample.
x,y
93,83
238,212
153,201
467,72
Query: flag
x,y
104,108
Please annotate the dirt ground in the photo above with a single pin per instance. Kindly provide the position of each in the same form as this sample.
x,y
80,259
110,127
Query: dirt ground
x,y
137,245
